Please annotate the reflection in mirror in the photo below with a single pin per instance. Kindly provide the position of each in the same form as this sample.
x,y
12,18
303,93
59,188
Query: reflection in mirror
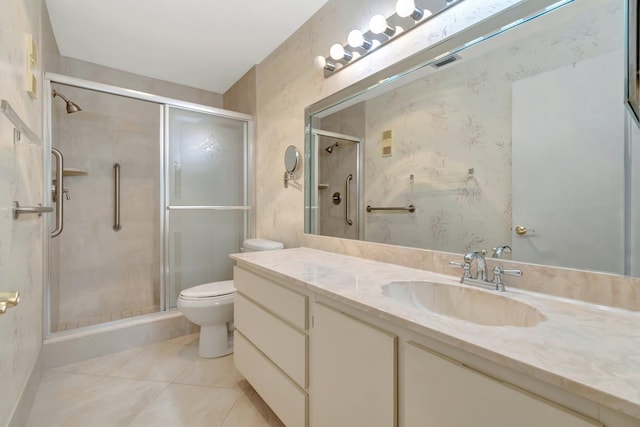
x,y
525,129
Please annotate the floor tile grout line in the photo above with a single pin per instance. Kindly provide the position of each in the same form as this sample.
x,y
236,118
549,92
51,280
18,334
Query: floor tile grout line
x,y
149,404
183,371
235,402
151,380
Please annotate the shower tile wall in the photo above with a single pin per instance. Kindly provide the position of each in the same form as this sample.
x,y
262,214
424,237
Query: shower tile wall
x,y
104,274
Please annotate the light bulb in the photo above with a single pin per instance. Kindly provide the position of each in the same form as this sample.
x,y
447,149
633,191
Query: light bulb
x,y
406,8
319,62
378,24
337,52
356,39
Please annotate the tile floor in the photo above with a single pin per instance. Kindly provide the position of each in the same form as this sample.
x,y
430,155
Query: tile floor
x,y
163,384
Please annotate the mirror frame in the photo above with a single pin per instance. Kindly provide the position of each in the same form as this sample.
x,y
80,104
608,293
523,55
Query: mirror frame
x,y
632,79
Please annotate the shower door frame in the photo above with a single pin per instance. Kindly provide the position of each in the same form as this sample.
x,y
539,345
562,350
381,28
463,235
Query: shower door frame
x,y
313,221
163,104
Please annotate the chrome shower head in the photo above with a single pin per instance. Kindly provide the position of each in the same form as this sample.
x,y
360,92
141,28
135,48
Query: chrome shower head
x,y
330,148
72,107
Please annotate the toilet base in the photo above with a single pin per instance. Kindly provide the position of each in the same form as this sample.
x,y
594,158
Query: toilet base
x,y
214,341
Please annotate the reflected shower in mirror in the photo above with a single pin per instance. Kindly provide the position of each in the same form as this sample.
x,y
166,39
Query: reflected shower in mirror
x,y
524,129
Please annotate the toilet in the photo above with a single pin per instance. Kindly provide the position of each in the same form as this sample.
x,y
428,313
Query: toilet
x,y
211,306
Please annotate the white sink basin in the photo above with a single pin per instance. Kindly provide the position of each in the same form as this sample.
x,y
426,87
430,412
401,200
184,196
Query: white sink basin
x,y
465,303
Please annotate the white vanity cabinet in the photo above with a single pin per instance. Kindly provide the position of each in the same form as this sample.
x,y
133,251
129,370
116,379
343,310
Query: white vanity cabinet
x,y
438,391
318,361
270,344
352,372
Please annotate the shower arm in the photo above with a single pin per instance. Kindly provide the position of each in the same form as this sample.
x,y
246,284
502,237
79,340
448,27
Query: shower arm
x,y
56,93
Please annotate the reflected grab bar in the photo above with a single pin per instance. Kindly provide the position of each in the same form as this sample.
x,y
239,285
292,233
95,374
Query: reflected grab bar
x,y
410,208
116,198
347,198
59,187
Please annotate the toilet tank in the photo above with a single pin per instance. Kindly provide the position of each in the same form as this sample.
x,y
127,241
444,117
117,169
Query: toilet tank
x,y
254,245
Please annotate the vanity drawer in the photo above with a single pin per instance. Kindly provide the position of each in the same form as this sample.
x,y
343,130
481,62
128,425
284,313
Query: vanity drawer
x,y
281,301
283,344
286,399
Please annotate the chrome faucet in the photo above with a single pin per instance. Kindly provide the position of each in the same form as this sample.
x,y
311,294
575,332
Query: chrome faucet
x,y
481,264
499,251
481,278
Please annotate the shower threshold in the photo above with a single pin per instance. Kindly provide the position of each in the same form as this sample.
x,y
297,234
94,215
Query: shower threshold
x,y
106,317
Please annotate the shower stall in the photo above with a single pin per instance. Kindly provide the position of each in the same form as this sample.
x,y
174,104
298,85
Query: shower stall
x,y
151,197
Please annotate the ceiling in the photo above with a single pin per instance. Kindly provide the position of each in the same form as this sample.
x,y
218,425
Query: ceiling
x,y
207,44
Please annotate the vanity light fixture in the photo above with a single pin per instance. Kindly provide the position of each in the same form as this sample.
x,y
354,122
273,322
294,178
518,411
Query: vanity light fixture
x,y
381,30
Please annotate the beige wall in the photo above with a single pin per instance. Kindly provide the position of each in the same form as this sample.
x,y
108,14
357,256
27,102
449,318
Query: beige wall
x,y
241,97
20,179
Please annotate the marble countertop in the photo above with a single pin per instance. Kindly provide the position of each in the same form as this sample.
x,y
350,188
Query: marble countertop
x,y
591,351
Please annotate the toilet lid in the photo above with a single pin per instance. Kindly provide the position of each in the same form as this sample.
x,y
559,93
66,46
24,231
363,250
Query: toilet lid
x,y
208,290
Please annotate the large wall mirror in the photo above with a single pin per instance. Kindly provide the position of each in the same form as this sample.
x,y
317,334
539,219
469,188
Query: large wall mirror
x,y
516,141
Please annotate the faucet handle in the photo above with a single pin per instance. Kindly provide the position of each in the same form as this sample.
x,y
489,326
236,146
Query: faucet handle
x,y
466,274
497,276
517,273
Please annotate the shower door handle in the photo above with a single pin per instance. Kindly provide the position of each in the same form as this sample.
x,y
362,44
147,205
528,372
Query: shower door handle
x,y
347,199
116,197
59,186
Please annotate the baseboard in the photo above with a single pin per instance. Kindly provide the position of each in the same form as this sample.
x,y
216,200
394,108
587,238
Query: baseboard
x,y
23,407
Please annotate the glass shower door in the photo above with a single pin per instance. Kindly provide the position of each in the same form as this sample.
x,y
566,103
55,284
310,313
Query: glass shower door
x,y
205,196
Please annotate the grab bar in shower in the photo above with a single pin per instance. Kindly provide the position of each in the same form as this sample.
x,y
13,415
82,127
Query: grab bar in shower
x,y
116,198
410,208
347,199
58,192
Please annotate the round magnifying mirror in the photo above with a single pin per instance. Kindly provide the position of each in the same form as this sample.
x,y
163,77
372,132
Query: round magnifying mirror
x,y
291,158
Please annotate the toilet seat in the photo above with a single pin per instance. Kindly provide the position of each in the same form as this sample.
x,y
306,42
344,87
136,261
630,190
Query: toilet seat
x,y
208,291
